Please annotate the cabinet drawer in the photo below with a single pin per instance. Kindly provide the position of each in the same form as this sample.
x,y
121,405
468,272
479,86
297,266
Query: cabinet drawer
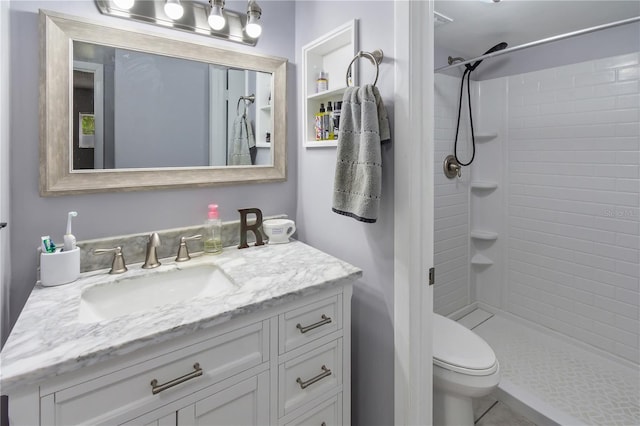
x,y
307,377
130,389
328,413
302,325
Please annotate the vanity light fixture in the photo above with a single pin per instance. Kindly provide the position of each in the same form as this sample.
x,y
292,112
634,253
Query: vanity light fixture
x,y
173,9
254,12
216,17
205,17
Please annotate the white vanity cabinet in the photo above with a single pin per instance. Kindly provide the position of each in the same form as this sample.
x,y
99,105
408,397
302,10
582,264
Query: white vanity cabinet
x,y
285,365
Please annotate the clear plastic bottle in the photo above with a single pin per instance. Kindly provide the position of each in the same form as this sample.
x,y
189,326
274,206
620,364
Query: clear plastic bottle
x,y
213,231
328,122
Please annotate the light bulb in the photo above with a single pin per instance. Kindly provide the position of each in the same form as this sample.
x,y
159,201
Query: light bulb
x,y
216,18
124,4
173,9
253,29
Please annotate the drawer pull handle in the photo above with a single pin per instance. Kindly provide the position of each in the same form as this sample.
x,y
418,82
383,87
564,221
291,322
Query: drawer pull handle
x,y
325,320
156,388
325,373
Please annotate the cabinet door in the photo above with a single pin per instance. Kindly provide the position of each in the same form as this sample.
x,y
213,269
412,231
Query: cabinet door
x,y
169,420
154,418
243,404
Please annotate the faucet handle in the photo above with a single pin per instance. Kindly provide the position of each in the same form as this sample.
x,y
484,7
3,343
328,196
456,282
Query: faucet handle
x,y
183,251
118,265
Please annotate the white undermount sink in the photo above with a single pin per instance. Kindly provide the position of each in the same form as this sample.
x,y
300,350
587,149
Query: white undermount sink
x,y
143,293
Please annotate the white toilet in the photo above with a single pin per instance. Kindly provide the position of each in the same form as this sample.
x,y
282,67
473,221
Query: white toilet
x,y
464,367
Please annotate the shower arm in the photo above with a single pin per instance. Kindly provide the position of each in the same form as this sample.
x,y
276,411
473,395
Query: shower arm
x,y
540,42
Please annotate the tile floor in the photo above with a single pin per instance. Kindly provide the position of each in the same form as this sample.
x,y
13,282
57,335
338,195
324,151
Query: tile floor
x,y
563,377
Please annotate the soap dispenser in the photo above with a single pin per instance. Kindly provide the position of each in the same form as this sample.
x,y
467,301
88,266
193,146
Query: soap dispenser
x,y
213,231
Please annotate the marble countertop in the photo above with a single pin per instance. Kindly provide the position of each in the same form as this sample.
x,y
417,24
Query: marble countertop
x,y
49,339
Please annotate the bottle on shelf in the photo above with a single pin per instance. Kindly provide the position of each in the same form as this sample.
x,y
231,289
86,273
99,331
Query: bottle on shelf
x,y
336,118
319,120
213,231
322,82
328,122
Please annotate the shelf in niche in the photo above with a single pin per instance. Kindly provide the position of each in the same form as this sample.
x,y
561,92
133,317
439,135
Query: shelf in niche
x,y
481,260
484,184
263,145
328,93
485,137
330,53
484,235
321,144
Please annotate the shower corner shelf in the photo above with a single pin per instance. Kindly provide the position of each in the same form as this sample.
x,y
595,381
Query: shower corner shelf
x,y
485,137
481,260
484,184
484,235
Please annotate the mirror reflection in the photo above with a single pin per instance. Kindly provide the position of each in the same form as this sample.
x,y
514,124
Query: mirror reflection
x,y
136,110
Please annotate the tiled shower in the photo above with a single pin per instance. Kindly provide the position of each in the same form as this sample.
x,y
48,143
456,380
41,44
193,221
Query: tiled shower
x,y
544,227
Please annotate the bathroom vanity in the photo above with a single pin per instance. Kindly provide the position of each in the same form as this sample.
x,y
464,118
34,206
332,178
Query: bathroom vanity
x,y
272,347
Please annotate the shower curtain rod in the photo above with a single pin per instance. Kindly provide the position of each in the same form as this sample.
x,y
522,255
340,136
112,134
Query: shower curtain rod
x,y
542,41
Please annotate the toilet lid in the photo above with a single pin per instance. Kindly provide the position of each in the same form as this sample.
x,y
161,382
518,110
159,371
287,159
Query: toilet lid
x,y
459,349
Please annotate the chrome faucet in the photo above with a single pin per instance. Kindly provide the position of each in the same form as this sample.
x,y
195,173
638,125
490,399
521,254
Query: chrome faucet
x,y
151,258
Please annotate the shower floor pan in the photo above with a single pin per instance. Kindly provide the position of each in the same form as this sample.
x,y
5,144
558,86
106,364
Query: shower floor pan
x,y
551,380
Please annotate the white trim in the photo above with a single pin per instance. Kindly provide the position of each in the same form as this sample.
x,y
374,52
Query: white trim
x,y
218,121
413,228
98,107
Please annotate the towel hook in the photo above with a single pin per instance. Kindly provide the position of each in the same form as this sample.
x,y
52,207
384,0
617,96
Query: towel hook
x,y
250,99
374,57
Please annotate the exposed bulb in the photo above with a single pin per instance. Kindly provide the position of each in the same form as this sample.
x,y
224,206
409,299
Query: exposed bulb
x,y
173,9
216,18
124,4
253,28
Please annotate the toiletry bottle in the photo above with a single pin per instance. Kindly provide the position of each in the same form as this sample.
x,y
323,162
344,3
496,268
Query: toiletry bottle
x,y
336,119
328,121
213,231
69,238
322,82
319,123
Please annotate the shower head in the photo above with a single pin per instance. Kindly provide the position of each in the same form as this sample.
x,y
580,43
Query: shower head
x,y
499,46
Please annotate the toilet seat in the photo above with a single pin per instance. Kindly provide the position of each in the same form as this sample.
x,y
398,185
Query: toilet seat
x,y
459,349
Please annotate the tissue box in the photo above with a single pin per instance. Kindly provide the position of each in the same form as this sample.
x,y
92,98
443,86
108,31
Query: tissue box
x,y
61,267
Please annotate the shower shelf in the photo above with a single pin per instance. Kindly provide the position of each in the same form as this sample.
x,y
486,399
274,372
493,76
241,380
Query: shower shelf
x,y
480,259
483,184
485,137
484,235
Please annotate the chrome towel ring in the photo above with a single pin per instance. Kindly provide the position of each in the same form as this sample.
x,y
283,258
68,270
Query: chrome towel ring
x,y
374,57
247,99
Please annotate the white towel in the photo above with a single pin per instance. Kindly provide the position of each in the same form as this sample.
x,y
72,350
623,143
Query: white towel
x,y
243,142
364,125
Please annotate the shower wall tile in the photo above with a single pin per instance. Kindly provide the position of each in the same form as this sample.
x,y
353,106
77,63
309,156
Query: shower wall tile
x,y
573,183
451,255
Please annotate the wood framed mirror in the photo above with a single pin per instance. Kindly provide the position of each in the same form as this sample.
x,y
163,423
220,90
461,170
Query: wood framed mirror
x,y
127,156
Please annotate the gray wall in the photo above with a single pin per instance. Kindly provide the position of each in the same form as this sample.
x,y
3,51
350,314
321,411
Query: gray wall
x,y
118,213
610,42
161,111
605,43
368,246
